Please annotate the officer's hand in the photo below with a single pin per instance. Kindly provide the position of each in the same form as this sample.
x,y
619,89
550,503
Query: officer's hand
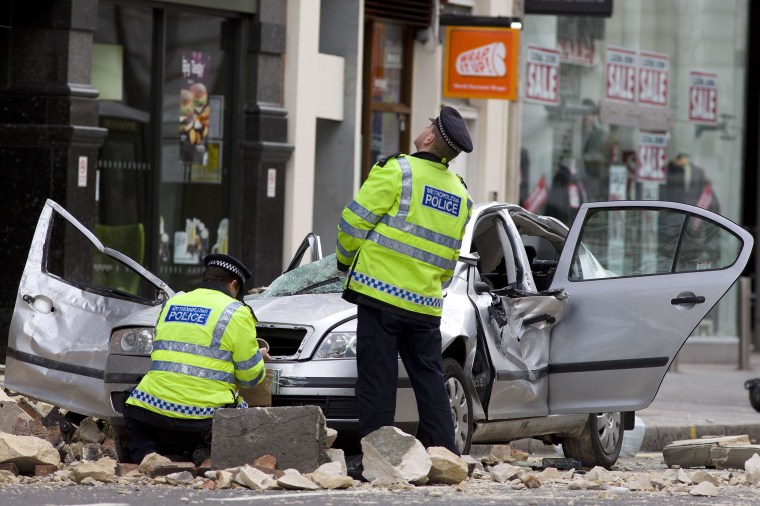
x,y
265,355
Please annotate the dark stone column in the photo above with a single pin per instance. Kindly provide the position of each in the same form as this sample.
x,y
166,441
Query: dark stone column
x,y
48,120
265,145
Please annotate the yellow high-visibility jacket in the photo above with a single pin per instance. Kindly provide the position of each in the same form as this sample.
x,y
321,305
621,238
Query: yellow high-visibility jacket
x,y
402,233
205,344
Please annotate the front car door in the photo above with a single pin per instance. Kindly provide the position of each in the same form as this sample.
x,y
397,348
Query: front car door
x,y
64,311
640,277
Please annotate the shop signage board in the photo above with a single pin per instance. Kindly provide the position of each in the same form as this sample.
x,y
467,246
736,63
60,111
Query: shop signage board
x,y
570,7
654,70
652,159
576,51
703,97
542,75
481,62
621,74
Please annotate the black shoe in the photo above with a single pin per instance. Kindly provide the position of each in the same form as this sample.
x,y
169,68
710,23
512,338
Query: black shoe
x,y
354,467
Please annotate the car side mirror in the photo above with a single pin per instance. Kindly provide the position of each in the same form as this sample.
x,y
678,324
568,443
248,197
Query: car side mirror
x,y
482,287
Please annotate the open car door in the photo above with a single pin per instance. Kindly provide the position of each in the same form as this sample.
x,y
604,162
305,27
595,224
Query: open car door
x,y
640,277
64,311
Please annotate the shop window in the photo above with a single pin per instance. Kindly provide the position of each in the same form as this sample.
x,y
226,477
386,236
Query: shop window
x,y
387,97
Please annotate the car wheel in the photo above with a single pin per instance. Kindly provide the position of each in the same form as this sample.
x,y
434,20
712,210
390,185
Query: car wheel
x,y
460,400
599,443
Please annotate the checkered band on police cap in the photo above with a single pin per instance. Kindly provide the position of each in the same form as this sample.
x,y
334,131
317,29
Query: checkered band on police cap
x,y
228,263
227,266
453,129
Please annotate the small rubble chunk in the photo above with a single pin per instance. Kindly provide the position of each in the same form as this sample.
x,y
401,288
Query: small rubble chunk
x,y
395,456
180,478
640,482
268,461
599,473
254,479
89,432
13,419
293,480
705,489
446,467
338,456
330,476
683,477
505,472
168,468
151,461
223,479
103,470
531,481
702,476
330,436
752,466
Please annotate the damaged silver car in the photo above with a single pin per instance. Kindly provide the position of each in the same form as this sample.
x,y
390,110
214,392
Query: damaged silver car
x,y
548,333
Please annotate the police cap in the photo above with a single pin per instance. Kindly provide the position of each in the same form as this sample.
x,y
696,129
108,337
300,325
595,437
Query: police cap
x,y
228,263
452,128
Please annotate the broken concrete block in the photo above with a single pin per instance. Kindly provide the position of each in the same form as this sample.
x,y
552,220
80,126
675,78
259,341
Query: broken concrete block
x,y
223,479
26,452
705,489
600,474
702,475
88,432
86,451
732,457
13,419
103,470
446,467
44,469
152,460
330,436
502,453
696,452
640,482
752,467
395,456
123,469
331,476
180,478
294,435
337,455
10,467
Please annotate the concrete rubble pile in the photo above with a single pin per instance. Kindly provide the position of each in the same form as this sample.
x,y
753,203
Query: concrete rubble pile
x,y
39,444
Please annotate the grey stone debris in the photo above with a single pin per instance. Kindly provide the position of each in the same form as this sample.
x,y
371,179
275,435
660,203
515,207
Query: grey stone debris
x,y
683,477
446,467
151,461
336,455
394,456
330,436
702,476
12,418
705,489
181,478
254,479
640,482
472,464
732,457
294,435
696,452
599,473
330,476
27,451
88,432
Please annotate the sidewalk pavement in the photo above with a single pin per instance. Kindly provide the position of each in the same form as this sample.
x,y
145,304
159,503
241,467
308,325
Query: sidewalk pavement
x,y
701,400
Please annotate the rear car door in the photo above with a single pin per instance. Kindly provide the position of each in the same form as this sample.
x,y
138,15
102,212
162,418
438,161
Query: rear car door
x,y
640,277
64,311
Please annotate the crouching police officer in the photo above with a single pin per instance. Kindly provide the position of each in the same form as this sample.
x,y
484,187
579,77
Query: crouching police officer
x,y
399,241
204,347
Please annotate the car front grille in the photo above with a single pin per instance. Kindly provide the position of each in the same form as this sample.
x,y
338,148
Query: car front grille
x,y
333,407
282,342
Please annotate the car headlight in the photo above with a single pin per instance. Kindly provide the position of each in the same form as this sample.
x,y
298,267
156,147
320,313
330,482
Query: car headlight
x,y
132,341
338,345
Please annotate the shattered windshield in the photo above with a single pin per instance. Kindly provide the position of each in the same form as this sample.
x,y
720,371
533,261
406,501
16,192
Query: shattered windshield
x,y
321,276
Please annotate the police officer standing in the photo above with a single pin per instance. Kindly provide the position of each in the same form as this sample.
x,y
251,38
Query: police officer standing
x,y
204,347
399,241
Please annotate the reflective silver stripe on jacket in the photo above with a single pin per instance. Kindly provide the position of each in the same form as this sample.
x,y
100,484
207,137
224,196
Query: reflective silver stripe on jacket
x,y
247,364
469,206
401,293
221,325
411,251
421,232
192,370
194,349
351,230
363,212
343,251
406,187
254,381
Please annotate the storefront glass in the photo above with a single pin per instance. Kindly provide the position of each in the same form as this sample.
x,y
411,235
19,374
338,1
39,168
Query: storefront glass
x,y
647,104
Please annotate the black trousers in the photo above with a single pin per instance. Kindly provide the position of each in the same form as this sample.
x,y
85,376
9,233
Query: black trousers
x,y
381,337
150,432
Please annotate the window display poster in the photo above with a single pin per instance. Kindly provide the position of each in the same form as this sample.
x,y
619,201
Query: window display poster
x,y
542,75
654,71
621,75
652,160
703,97
576,51
194,108
537,197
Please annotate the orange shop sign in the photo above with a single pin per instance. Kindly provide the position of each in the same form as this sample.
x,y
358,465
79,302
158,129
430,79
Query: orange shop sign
x,y
481,62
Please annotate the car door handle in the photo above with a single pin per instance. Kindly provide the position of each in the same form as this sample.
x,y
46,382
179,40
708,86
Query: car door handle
x,y
692,299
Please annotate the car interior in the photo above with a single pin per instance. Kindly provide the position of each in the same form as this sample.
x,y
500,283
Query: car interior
x,y
543,244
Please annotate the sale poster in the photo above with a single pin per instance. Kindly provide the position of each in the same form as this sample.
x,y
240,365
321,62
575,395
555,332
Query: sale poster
x,y
654,69
621,74
542,75
703,97
652,157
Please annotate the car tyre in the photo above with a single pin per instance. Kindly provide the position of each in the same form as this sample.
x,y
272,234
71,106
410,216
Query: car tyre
x,y
600,442
460,400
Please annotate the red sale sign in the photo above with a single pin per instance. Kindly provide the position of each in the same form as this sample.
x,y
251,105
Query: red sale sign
x,y
653,78
576,51
652,157
621,74
703,97
542,75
